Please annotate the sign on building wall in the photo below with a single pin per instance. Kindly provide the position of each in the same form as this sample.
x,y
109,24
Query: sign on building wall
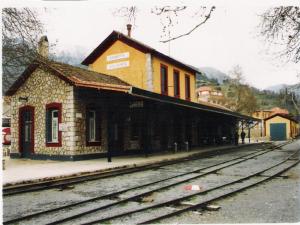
x,y
136,104
118,56
78,115
62,127
117,65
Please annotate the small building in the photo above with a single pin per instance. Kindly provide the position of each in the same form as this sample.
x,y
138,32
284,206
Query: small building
x,y
259,129
210,94
265,113
131,99
280,127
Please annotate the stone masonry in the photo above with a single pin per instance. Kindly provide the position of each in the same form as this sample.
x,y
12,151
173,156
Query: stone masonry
x,y
42,88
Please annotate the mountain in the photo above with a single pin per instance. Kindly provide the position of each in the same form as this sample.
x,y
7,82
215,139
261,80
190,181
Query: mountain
x,y
212,73
281,88
276,88
296,89
74,57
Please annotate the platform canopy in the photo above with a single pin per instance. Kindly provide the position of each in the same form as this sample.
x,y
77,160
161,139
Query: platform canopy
x,y
198,106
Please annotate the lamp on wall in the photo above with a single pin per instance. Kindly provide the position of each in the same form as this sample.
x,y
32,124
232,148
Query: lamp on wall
x,y
23,99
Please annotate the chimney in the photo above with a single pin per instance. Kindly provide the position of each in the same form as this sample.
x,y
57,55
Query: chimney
x,y
129,30
43,47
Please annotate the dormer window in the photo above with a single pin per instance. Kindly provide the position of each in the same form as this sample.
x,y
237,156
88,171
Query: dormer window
x,y
164,79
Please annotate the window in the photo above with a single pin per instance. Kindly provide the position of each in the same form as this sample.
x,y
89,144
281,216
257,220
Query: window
x,y
176,84
54,125
164,79
53,119
5,122
187,88
93,127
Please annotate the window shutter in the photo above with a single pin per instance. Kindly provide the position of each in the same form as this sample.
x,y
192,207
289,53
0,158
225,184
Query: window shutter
x,y
48,126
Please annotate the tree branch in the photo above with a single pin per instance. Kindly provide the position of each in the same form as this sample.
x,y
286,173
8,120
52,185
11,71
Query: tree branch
x,y
193,29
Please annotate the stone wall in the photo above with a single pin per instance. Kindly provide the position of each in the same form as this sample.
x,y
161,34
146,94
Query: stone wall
x,y
43,88
80,105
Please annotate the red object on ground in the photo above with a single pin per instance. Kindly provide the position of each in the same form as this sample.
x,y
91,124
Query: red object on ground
x,y
6,136
193,187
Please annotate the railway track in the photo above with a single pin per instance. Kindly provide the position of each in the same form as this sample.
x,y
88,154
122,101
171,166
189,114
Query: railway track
x,y
150,213
71,212
61,182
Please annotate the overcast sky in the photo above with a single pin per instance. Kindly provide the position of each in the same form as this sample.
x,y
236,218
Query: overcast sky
x,y
229,38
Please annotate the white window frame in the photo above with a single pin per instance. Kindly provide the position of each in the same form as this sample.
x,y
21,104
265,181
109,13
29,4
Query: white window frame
x,y
54,126
92,125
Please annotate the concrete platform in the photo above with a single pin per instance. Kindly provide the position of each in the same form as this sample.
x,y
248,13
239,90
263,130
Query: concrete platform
x,y
20,171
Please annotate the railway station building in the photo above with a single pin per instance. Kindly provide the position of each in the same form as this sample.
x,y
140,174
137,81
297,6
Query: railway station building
x,y
131,99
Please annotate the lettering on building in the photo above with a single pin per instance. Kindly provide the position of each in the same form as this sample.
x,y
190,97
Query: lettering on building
x,y
117,65
136,104
124,55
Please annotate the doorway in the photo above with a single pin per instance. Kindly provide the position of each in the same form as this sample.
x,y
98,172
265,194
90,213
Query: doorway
x,y
115,133
26,131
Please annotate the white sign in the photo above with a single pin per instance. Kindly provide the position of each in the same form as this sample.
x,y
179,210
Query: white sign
x,y
123,55
117,65
78,115
62,127
137,104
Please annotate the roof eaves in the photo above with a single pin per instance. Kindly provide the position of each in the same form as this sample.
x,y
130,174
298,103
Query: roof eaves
x,y
97,85
168,99
100,48
281,115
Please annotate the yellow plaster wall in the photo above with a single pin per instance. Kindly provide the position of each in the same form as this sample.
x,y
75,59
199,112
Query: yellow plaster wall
x,y
156,62
278,119
294,129
135,74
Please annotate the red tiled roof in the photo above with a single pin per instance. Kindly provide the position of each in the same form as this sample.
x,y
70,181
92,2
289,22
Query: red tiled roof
x,y
204,88
85,78
279,110
73,75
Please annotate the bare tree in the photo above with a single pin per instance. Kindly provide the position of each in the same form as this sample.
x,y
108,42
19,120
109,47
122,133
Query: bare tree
x,y
170,17
281,27
239,96
21,30
129,13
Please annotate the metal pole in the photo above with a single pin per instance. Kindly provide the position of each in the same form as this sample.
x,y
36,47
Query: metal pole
x,y
249,134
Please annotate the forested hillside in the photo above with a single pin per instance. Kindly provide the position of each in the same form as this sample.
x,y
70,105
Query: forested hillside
x,y
288,96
